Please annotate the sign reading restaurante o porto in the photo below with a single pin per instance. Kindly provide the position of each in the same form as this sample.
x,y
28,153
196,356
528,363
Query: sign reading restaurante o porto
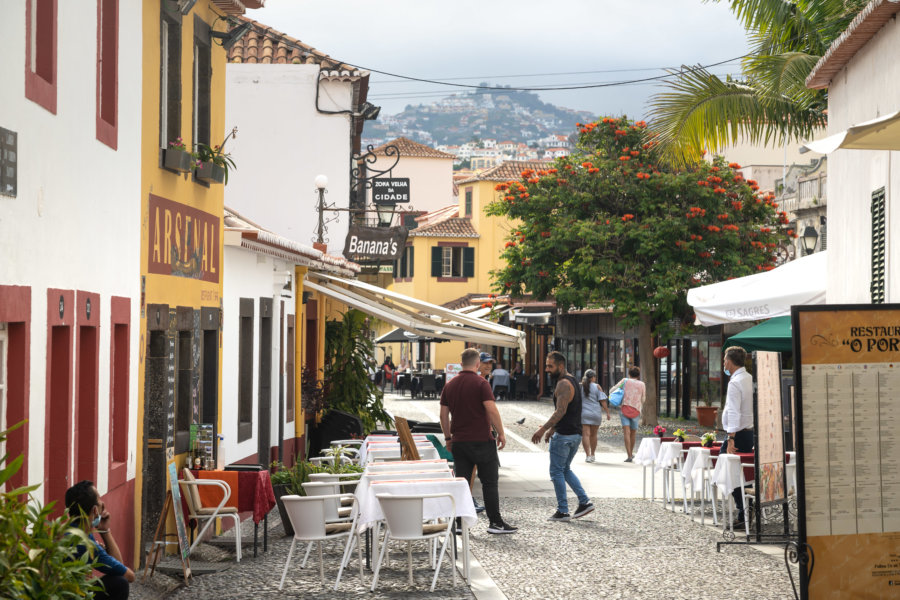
x,y
373,244
390,190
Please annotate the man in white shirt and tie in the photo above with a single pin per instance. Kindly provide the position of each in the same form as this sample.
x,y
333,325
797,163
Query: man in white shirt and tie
x,y
737,418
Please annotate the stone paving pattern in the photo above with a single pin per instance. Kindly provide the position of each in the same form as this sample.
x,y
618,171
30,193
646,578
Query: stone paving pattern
x,y
627,548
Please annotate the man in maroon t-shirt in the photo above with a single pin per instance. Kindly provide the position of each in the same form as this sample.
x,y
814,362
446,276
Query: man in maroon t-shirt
x,y
468,412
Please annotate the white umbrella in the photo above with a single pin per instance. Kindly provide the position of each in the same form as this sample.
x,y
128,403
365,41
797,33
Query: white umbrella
x,y
762,296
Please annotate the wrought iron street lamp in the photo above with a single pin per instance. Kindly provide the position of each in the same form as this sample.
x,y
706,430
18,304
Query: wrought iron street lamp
x,y
809,239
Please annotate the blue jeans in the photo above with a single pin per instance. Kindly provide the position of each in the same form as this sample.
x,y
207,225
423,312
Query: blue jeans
x,y
562,450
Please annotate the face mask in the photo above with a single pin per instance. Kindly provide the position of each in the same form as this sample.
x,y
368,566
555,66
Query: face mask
x,y
96,521
727,372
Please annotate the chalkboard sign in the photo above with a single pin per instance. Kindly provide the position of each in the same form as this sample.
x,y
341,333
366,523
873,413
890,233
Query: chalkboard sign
x,y
8,162
184,546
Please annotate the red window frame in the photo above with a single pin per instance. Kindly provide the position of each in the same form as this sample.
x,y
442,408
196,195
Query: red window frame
x,y
15,311
108,72
41,82
119,375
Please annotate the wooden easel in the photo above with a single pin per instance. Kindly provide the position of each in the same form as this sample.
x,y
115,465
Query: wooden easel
x,y
158,547
408,450
173,500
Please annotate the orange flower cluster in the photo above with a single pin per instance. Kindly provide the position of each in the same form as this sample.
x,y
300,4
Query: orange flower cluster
x,y
704,255
702,183
545,234
722,217
714,169
640,175
587,165
627,217
731,227
586,128
713,228
696,238
624,158
791,233
501,186
736,205
696,211
766,230
641,124
510,245
738,179
719,190
543,273
527,173
534,180
754,187
714,179
759,245
562,181
620,132
609,120
635,152
734,165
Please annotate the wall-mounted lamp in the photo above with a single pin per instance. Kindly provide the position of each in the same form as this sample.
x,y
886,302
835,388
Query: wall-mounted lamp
x,y
809,239
231,38
385,214
287,290
306,296
368,111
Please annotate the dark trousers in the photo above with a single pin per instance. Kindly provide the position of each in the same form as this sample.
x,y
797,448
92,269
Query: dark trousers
x,y
743,442
467,455
116,588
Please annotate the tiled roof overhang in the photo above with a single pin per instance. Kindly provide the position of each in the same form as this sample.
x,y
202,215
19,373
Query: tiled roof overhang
x,y
867,23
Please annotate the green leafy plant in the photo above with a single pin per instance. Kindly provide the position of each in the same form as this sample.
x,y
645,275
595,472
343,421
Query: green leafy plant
x,y
679,434
349,358
294,477
707,439
39,554
215,155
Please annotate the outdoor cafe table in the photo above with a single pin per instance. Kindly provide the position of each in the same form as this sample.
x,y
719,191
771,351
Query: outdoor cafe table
x,y
370,509
382,441
646,457
697,463
669,457
251,491
408,465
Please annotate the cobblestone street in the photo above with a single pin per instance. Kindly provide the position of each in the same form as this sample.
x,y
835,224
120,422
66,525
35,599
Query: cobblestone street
x,y
627,548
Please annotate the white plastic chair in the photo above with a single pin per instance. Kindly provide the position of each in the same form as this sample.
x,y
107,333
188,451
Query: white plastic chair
x,y
189,486
308,517
405,521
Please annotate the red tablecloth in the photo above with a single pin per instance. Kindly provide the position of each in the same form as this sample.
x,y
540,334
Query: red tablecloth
x,y
251,491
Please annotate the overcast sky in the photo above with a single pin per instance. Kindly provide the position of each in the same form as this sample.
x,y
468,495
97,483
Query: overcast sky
x,y
521,43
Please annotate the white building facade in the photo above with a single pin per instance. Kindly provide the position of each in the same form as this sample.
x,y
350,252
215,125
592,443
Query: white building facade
x,y
70,287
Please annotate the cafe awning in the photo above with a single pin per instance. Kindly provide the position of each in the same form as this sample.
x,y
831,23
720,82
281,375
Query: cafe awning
x,y
400,335
763,295
882,133
415,316
773,335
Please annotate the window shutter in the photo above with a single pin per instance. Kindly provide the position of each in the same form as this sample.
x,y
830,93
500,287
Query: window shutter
x,y
876,288
411,261
437,254
468,269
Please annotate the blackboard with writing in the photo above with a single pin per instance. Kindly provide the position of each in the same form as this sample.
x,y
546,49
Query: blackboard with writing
x,y
184,546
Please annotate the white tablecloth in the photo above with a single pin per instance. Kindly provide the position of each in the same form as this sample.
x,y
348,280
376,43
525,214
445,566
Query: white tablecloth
x,y
647,451
370,508
391,449
408,465
729,473
692,470
669,455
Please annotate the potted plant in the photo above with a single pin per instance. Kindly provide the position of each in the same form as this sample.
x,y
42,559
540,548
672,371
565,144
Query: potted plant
x,y
177,158
212,164
708,439
679,435
287,481
706,414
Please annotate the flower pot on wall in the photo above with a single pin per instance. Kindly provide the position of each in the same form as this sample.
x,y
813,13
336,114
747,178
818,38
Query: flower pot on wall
x,y
177,160
706,416
210,172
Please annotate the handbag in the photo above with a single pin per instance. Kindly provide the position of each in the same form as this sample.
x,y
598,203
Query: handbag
x,y
630,412
616,396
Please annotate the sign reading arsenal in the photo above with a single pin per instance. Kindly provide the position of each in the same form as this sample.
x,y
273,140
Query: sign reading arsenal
x,y
390,191
373,244
183,241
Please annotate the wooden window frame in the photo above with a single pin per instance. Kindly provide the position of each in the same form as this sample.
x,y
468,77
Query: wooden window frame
x,y
108,72
41,80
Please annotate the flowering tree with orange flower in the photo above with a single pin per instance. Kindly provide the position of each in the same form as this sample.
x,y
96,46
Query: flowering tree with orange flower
x,y
608,226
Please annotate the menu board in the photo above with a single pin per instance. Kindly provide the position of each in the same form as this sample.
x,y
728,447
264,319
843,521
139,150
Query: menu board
x,y
848,364
770,428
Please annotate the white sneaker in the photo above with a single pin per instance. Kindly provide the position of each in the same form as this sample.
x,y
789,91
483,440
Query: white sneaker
x,y
589,459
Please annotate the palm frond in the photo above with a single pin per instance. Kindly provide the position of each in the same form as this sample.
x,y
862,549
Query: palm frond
x,y
784,75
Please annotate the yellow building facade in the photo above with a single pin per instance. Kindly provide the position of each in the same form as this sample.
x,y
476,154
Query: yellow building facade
x,y
183,105
451,254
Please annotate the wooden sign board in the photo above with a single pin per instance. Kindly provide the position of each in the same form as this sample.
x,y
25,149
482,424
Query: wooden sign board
x,y
847,366
184,545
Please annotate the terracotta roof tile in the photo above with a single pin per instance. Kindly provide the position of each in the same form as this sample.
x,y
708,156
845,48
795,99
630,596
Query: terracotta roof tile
x,y
862,28
265,45
460,227
407,147
506,171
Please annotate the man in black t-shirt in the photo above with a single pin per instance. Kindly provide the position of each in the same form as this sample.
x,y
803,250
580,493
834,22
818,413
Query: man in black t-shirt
x,y
468,412
563,431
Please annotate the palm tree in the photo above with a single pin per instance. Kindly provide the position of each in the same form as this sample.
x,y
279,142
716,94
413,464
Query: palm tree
x,y
770,100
